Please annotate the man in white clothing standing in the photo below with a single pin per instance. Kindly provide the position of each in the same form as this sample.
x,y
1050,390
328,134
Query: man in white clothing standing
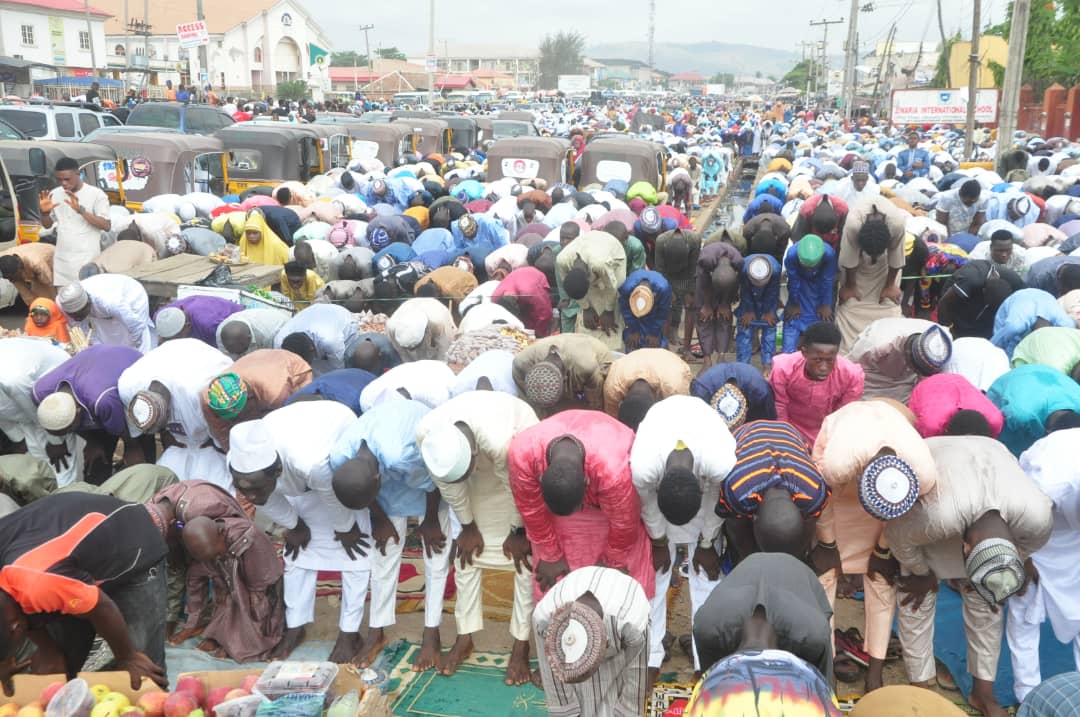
x,y
80,212
464,443
1051,464
682,453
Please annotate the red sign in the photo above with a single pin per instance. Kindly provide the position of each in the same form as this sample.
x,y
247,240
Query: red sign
x,y
75,72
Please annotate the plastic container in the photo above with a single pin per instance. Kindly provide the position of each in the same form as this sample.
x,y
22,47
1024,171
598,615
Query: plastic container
x,y
72,700
298,704
288,678
239,707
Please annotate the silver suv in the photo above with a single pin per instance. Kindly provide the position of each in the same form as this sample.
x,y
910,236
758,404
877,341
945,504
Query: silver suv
x,y
61,122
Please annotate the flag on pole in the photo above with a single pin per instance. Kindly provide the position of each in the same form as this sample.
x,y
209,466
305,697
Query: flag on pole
x,y
317,55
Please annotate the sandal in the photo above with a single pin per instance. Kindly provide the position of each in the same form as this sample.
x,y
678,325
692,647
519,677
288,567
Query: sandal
x,y
850,643
944,677
846,670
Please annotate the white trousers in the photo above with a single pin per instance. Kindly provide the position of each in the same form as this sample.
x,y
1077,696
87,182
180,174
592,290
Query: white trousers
x,y
982,627
1024,645
299,589
386,568
469,605
700,589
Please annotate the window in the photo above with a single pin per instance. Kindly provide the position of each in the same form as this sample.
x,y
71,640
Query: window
x,y
258,54
88,122
120,51
155,115
65,125
30,122
200,121
84,40
28,35
140,51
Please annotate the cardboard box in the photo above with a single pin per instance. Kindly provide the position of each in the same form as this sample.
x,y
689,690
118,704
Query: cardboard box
x,y
28,687
372,702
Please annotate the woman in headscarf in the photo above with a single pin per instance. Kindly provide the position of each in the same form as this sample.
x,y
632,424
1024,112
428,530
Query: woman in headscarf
x,y
229,225
259,244
45,319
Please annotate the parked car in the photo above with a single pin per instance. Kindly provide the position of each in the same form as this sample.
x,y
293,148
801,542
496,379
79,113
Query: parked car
x,y
187,118
8,131
67,123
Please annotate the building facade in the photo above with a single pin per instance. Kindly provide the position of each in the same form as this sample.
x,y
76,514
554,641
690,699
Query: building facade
x,y
54,36
517,66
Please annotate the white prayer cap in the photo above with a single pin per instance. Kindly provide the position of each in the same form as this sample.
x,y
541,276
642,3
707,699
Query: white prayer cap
x,y
251,448
170,321
72,298
409,326
446,453
8,294
57,412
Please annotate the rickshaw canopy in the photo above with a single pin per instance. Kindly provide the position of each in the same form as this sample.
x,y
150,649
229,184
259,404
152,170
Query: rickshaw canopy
x,y
631,160
548,158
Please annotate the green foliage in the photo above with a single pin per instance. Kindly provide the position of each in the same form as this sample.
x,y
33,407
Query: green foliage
x,y
941,71
724,78
797,76
560,54
1052,53
292,90
350,58
999,73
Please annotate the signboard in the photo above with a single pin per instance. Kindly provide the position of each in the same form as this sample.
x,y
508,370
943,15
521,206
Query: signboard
x,y
520,168
715,90
835,85
204,77
941,106
56,40
573,84
431,63
192,34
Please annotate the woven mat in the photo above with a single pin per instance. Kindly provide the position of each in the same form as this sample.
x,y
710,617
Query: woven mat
x,y
476,690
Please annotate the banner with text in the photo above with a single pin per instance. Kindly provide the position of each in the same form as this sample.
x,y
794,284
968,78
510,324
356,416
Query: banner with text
x,y
941,106
192,34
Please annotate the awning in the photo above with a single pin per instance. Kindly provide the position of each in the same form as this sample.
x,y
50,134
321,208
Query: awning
x,y
79,82
19,64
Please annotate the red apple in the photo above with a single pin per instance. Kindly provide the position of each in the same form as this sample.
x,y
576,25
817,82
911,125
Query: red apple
x,y
180,704
49,691
215,697
153,703
249,682
194,686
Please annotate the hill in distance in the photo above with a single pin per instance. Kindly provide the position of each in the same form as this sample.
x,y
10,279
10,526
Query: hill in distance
x,y
706,58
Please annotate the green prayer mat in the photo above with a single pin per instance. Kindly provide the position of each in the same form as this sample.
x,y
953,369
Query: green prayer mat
x,y
475,690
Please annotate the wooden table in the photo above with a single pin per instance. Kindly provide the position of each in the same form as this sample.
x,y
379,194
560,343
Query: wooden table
x,y
161,278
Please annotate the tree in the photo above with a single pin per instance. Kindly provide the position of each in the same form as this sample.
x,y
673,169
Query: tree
x,y
1053,43
724,78
560,54
351,58
390,53
797,76
292,90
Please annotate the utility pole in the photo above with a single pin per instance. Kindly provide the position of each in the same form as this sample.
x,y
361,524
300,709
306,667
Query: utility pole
x,y
973,82
431,54
1014,75
203,63
90,34
367,48
824,64
851,58
652,34
944,42
810,68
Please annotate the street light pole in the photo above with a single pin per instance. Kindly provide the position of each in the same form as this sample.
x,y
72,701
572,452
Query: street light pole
x,y
431,53
1014,73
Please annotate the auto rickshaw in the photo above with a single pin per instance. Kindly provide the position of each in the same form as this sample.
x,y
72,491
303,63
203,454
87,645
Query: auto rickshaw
x,y
466,131
29,171
267,155
631,160
386,142
334,144
428,135
518,116
549,158
156,163
413,114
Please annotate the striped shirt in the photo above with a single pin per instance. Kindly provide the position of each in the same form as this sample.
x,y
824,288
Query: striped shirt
x,y
771,454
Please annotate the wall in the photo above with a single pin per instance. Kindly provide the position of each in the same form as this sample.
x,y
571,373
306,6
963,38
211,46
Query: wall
x,y
991,47
11,22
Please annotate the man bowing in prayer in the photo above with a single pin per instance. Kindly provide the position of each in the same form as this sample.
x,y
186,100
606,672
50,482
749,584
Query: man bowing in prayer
x,y
895,353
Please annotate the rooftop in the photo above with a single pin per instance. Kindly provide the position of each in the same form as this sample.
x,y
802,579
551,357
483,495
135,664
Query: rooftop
x,y
61,5
687,77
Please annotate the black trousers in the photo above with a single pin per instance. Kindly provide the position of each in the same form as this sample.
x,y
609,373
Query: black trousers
x,y
141,601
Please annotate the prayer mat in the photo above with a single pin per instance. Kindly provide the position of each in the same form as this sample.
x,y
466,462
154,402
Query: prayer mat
x,y
475,690
950,646
669,699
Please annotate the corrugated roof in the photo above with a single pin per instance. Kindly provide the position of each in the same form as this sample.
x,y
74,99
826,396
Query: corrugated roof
x,y
687,77
165,15
64,5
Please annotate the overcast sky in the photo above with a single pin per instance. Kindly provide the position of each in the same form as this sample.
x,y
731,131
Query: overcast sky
x,y
780,24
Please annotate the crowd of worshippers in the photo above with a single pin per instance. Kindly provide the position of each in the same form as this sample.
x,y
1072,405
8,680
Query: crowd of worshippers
x,y
528,407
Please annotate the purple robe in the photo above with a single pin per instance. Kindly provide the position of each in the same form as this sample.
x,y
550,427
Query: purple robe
x,y
205,314
92,375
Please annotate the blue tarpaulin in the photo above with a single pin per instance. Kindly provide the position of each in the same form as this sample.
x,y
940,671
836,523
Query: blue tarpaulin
x,y
79,82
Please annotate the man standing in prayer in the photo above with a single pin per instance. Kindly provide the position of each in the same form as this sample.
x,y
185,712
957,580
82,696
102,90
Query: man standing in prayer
x,y
281,463
570,476
982,522
811,277
815,381
464,443
680,457
877,465
716,289
592,632
80,213
590,270
377,465
636,381
563,371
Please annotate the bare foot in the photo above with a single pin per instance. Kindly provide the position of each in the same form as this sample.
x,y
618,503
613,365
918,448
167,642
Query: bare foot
x,y
517,670
653,676
208,645
462,648
848,586
537,681
430,650
376,641
875,675
347,647
289,641
184,635
982,698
